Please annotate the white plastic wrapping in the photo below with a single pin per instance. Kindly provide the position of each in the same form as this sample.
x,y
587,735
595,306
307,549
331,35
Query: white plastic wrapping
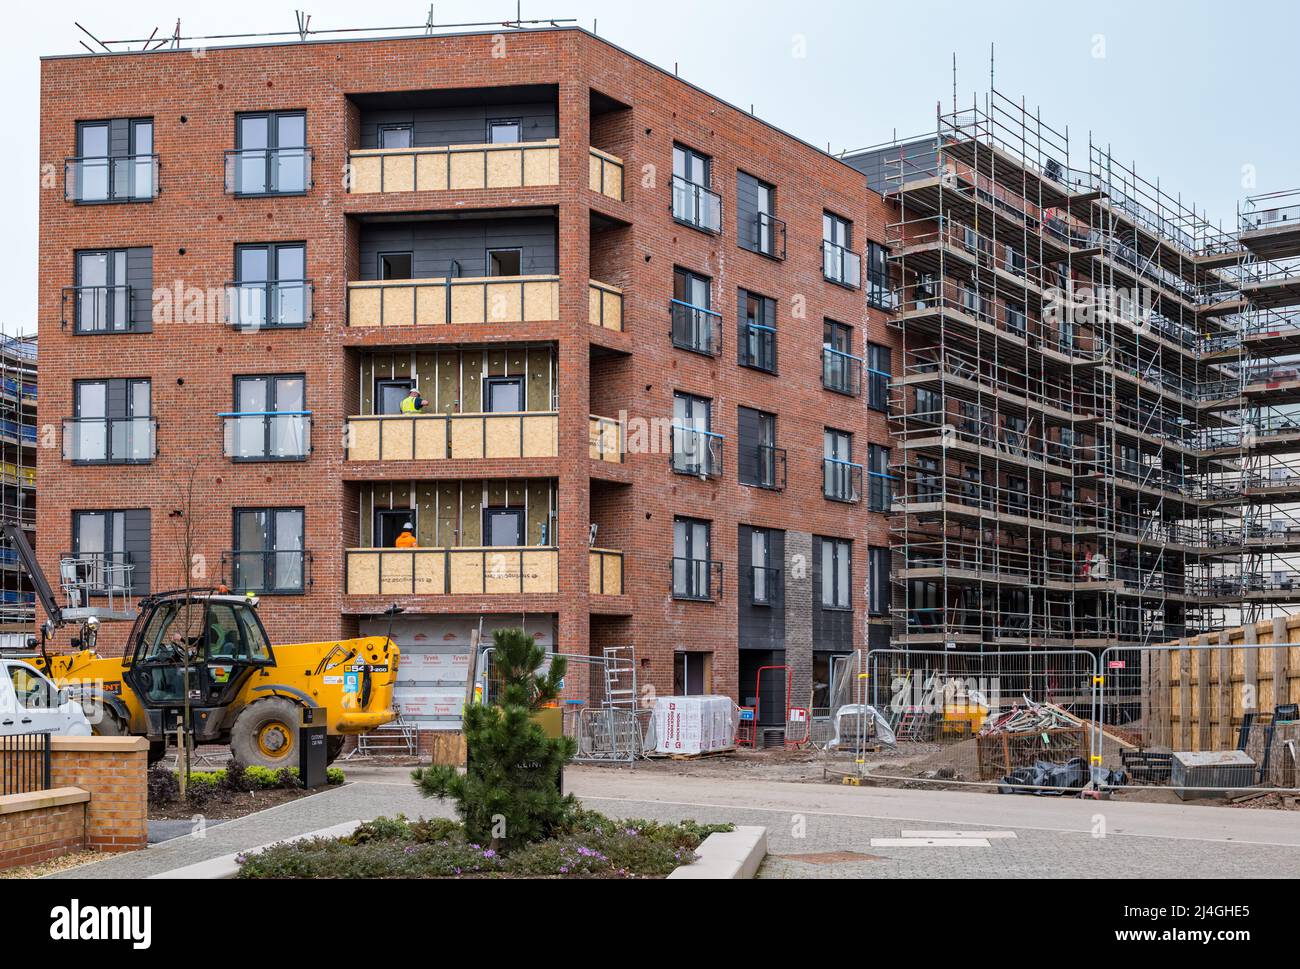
x,y
694,724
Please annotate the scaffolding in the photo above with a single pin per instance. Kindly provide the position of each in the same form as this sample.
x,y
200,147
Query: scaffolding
x,y
17,481
1097,415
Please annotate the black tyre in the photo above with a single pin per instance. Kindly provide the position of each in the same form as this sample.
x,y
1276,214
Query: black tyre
x,y
333,747
157,751
266,734
104,721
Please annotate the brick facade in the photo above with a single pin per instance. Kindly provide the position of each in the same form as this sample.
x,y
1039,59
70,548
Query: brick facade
x,y
633,244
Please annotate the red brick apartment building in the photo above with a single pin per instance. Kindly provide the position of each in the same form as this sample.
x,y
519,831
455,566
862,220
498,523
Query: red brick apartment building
x,y
653,362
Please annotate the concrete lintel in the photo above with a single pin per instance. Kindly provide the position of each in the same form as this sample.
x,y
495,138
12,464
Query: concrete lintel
x,y
35,800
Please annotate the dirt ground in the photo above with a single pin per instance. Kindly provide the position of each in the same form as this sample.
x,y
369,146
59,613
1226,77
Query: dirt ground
x,y
223,805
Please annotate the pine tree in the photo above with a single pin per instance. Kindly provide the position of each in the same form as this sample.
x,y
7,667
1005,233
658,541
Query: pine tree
x,y
509,794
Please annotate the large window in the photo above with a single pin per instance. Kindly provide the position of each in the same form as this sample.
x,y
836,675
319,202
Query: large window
x,y
694,201
878,376
836,573
268,556
113,291
841,369
840,264
115,162
766,582
696,326
270,421
878,587
697,450
756,331
757,227
271,287
841,478
271,155
881,481
760,462
112,422
111,550
880,291
693,566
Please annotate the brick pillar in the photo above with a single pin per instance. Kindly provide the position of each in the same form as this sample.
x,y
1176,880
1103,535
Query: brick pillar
x,y
112,770
798,615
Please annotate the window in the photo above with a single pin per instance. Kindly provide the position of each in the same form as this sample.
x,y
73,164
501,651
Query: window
x,y
391,522
929,480
929,406
396,136
268,556
880,292
878,374
505,262
761,463
756,332
1016,318
111,550
693,567
695,325
766,585
878,588
692,673
841,478
270,156
757,227
270,421
396,265
836,573
389,395
882,482
840,264
696,449
841,370
505,132
694,202
32,691
113,291
115,162
112,423
270,286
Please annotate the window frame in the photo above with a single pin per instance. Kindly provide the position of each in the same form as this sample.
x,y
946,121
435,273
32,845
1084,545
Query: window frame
x,y
268,551
841,553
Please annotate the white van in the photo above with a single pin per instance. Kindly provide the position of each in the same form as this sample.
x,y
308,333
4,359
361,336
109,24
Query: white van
x,y
31,703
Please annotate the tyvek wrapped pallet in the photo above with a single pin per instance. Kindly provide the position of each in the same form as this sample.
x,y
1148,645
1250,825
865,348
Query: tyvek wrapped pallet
x,y
694,724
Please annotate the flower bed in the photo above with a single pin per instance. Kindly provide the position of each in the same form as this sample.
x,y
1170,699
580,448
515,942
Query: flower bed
x,y
231,792
591,846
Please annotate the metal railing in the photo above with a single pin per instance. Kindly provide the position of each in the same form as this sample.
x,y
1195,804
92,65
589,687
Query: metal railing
x,y
767,585
283,303
127,178
842,481
841,372
24,760
756,346
696,205
267,571
770,467
696,328
268,171
770,233
696,580
440,168
267,435
109,440
99,309
696,452
841,265
109,575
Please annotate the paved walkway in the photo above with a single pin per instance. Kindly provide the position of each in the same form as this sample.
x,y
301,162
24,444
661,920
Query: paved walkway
x,y
1053,837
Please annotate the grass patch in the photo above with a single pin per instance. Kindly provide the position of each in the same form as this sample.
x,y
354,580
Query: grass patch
x,y
592,846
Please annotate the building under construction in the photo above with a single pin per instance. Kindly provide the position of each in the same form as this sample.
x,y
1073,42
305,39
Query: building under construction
x,y
1095,416
17,481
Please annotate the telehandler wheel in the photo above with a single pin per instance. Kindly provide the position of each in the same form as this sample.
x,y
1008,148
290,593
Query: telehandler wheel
x,y
104,721
265,734
333,747
157,751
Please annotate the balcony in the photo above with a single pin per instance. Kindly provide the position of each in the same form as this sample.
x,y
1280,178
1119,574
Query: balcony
x,y
453,437
696,328
696,206
768,470
284,304
267,572
99,180
606,572
767,586
437,302
267,435
606,306
696,580
841,266
770,236
606,442
452,571
606,175
109,440
106,309
696,452
841,372
259,172
842,481
444,168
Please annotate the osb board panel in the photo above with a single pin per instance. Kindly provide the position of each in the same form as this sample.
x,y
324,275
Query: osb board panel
x,y
467,169
505,169
430,439
395,572
363,307
365,173
399,305
363,573
446,747
398,173
466,439
365,441
542,166
541,436
399,437
466,573
501,437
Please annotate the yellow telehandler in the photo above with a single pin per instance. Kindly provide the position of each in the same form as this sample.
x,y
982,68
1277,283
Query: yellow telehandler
x,y
207,652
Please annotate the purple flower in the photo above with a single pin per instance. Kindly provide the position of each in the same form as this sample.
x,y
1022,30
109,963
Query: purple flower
x,y
489,853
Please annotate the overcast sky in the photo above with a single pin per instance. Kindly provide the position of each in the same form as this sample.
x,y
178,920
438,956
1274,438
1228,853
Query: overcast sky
x,y
1199,94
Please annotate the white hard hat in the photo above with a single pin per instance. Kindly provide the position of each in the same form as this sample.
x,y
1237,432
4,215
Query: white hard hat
x,y
408,525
